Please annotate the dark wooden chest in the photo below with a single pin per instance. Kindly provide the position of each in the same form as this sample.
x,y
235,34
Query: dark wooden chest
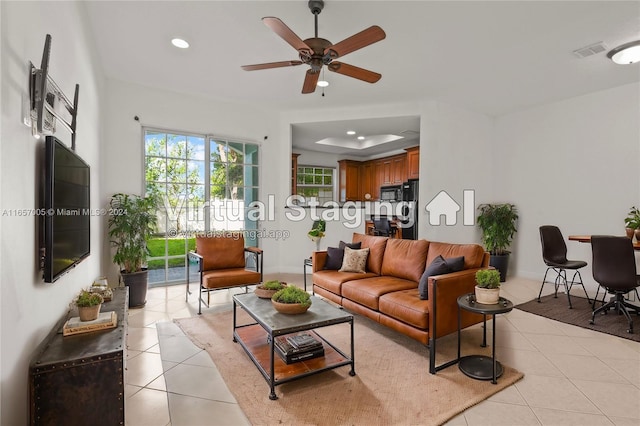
x,y
79,379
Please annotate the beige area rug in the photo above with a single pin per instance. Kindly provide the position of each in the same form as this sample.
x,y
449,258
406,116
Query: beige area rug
x,y
392,385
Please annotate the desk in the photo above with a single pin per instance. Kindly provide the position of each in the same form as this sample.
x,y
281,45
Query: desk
x,y
587,239
479,366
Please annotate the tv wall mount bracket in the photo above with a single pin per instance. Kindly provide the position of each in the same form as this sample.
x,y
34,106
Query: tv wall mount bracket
x,y
48,104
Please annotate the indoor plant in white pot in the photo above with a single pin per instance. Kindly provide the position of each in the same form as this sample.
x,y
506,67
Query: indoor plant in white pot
x,y
487,286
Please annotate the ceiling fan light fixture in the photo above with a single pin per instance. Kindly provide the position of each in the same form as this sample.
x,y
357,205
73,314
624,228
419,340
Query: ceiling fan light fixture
x,y
628,53
180,43
322,83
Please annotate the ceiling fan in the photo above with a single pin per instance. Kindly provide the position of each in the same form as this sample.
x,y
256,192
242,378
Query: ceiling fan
x,y
317,52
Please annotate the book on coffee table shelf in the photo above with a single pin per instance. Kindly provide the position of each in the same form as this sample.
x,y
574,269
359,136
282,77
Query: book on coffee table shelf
x,y
291,354
104,321
303,341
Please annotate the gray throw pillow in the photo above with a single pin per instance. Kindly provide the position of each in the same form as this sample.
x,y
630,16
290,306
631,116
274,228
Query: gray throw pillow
x,y
355,246
455,263
334,258
437,267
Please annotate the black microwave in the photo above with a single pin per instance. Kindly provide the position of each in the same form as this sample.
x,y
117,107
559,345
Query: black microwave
x,y
391,193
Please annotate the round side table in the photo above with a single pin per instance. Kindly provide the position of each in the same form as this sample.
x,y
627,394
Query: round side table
x,y
482,367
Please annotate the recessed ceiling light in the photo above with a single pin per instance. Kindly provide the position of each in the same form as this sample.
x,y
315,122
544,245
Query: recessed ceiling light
x,y
628,53
178,42
351,132
360,138
322,83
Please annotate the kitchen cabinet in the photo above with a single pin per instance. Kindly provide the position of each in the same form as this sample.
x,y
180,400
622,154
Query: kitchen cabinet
x,y
413,163
367,180
349,177
398,169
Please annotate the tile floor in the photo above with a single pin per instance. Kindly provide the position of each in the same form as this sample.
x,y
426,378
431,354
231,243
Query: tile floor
x,y
573,376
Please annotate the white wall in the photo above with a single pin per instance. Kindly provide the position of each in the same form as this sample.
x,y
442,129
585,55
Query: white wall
x,y
122,152
573,164
29,307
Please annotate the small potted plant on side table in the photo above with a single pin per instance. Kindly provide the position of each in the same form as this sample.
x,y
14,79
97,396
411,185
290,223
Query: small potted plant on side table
x,y
487,286
632,223
291,300
89,305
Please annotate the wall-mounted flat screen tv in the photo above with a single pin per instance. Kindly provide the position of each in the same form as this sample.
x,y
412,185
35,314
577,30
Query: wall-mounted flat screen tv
x,y
66,228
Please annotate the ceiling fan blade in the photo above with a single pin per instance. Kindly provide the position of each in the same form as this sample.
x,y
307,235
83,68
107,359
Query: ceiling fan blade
x,y
310,81
271,65
285,32
364,38
355,72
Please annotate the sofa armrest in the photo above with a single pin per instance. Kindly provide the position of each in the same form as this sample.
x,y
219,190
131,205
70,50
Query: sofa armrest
x,y
318,259
444,291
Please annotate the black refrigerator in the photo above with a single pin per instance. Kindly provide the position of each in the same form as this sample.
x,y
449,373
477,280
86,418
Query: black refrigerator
x,y
409,218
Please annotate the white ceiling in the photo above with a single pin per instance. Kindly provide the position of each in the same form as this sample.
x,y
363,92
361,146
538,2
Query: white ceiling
x,y
490,57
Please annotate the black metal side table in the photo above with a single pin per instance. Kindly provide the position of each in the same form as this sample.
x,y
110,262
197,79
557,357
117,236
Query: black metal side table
x,y
307,262
479,366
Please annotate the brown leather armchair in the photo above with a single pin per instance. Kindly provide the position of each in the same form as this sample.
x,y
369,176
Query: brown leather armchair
x,y
222,264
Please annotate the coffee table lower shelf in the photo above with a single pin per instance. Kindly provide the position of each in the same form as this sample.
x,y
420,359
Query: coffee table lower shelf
x,y
255,341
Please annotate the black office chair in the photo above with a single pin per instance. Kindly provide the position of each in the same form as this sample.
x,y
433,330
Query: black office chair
x,y
554,254
382,227
614,268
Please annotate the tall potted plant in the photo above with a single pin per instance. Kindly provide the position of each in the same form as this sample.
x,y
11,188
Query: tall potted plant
x,y
498,224
132,222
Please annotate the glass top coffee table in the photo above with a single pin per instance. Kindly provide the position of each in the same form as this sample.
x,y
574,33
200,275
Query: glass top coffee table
x,y
258,338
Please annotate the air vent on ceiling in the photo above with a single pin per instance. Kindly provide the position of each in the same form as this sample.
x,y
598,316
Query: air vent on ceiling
x,y
592,49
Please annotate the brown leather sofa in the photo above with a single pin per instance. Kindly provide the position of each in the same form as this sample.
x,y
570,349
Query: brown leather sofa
x,y
388,290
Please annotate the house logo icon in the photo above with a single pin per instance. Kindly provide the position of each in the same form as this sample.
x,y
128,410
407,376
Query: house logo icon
x,y
445,205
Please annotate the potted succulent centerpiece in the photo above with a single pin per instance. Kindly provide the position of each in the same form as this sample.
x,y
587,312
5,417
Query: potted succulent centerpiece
x,y
267,289
88,304
132,222
291,300
632,223
487,286
498,224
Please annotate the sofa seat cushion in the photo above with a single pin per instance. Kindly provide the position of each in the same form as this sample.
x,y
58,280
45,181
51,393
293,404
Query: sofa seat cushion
x,y
406,306
332,280
473,253
224,278
367,291
405,258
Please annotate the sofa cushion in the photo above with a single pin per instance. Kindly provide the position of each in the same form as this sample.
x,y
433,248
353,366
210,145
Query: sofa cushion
x,y
332,280
367,291
406,306
456,264
405,258
354,260
376,247
437,267
473,253
334,258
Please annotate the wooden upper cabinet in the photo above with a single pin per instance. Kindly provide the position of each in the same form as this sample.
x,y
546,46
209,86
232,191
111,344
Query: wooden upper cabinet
x,y
349,178
398,169
413,162
367,180
294,173
386,172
